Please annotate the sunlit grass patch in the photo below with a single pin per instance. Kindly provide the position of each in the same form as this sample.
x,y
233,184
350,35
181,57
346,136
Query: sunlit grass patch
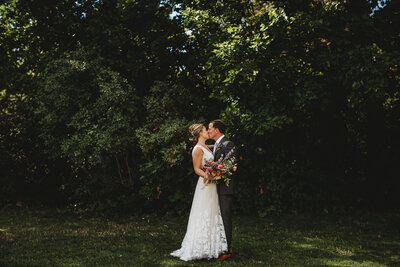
x,y
344,252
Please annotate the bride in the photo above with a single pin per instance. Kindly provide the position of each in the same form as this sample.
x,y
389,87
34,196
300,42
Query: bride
x,y
205,235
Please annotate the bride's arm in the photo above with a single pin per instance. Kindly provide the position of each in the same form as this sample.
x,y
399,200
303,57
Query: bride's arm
x,y
197,158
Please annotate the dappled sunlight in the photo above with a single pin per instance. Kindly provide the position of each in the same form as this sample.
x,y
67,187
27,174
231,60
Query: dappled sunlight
x,y
284,240
392,243
170,263
344,252
303,246
340,262
329,254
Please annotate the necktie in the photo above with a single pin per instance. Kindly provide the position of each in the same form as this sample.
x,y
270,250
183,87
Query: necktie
x,y
215,147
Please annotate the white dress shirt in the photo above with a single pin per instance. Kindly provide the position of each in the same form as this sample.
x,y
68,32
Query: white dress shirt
x,y
216,143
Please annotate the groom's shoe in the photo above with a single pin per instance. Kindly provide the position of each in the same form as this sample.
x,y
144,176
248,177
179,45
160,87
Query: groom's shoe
x,y
225,256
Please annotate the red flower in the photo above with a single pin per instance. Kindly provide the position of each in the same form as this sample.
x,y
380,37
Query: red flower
x,y
159,192
220,166
261,191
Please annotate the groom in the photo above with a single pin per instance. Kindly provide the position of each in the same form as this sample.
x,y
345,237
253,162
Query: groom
x,y
222,147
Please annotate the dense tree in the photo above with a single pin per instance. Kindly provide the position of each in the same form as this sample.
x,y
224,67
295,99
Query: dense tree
x,y
96,98
307,86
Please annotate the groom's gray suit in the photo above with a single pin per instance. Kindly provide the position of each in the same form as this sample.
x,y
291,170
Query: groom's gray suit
x,y
225,193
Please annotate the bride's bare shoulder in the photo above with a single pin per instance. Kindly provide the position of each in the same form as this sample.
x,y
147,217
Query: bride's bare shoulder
x,y
197,151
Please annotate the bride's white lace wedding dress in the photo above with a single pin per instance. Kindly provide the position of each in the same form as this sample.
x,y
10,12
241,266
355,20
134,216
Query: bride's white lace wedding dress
x,y
205,234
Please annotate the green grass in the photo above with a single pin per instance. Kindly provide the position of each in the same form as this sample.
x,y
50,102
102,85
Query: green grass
x,y
54,238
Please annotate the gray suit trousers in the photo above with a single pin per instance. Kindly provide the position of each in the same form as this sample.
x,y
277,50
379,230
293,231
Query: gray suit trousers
x,y
225,203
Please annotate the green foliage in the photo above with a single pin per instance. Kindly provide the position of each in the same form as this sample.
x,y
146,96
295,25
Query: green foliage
x,y
165,143
304,88
96,98
86,111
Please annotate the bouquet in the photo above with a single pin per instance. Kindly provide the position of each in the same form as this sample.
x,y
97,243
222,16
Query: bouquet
x,y
221,169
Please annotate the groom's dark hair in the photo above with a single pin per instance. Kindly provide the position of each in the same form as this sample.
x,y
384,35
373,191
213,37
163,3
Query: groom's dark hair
x,y
218,124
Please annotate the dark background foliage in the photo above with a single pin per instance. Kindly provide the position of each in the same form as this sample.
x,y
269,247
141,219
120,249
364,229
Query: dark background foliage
x,y
96,98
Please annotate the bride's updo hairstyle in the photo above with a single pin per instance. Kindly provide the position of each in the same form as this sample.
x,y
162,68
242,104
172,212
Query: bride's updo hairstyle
x,y
195,130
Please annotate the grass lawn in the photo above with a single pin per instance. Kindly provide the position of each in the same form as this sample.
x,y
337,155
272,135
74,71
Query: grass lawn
x,y
56,238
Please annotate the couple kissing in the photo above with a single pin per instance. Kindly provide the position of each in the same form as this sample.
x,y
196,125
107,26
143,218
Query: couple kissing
x,y
209,229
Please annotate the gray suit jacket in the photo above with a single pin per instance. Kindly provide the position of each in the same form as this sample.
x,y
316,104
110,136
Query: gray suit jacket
x,y
223,148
